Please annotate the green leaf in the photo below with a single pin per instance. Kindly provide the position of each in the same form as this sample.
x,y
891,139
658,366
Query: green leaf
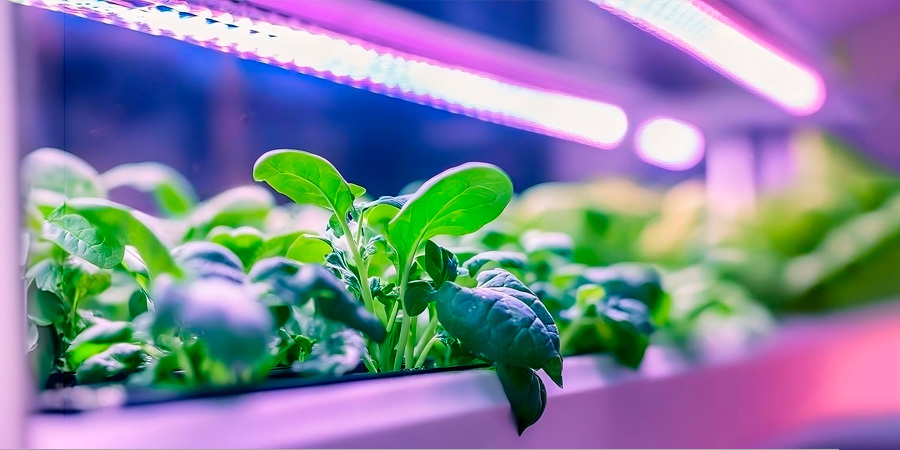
x,y
56,171
440,264
245,242
526,394
236,207
630,323
295,284
309,248
357,190
76,235
626,280
504,282
225,317
116,222
173,193
205,260
497,325
419,294
278,245
504,259
337,354
96,339
81,279
45,305
456,202
305,178
111,364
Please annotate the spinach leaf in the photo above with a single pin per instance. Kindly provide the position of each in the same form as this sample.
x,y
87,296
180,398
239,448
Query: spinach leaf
x,y
418,295
111,364
499,326
116,222
208,260
526,394
96,339
455,202
338,353
173,193
45,305
55,171
309,248
504,259
304,178
79,237
440,263
245,242
225,317
505,282
295,284
626,280
236,207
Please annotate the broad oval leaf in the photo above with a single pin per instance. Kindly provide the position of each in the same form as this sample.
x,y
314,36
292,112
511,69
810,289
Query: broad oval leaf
x,y
309,248
172,192
96,339
305,178
418,295
496,325
245,242
440,263
209,260
111,364
455,202
226,317
236,207
340,352
526,394
53,170
79,237
504,259
628,280
116,222
296,284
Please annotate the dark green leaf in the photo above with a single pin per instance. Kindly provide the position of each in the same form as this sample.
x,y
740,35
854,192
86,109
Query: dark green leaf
x,y
339,353
304,178
526,394
637,281
418,295
440,264
497,325
226,317
295,284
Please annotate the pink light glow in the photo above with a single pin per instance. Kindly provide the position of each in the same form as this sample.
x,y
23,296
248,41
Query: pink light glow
x,y
669,143
274,39
708,35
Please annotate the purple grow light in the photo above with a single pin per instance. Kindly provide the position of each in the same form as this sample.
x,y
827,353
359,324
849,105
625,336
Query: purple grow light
x,y
708,35
252,33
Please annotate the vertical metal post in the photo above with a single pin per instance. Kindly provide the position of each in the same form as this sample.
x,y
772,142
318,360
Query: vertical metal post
x,y
13,366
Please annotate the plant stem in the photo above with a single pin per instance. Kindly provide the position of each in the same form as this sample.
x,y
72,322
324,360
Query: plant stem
x,y
427,335
370,364
363,269
404,326
420,361
393,318
185,362
414,323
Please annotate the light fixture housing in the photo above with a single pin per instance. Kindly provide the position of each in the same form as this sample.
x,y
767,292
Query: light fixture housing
x,y
710,36
276,39
669,143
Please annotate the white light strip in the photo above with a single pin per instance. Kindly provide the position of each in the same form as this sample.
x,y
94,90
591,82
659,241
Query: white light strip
x,y
704,32
669,143
361,64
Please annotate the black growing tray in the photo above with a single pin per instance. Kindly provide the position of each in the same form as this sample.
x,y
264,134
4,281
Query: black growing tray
x,y
59,401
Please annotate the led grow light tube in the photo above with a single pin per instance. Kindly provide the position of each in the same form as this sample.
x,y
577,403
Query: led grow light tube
x,y
708,35
274,39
